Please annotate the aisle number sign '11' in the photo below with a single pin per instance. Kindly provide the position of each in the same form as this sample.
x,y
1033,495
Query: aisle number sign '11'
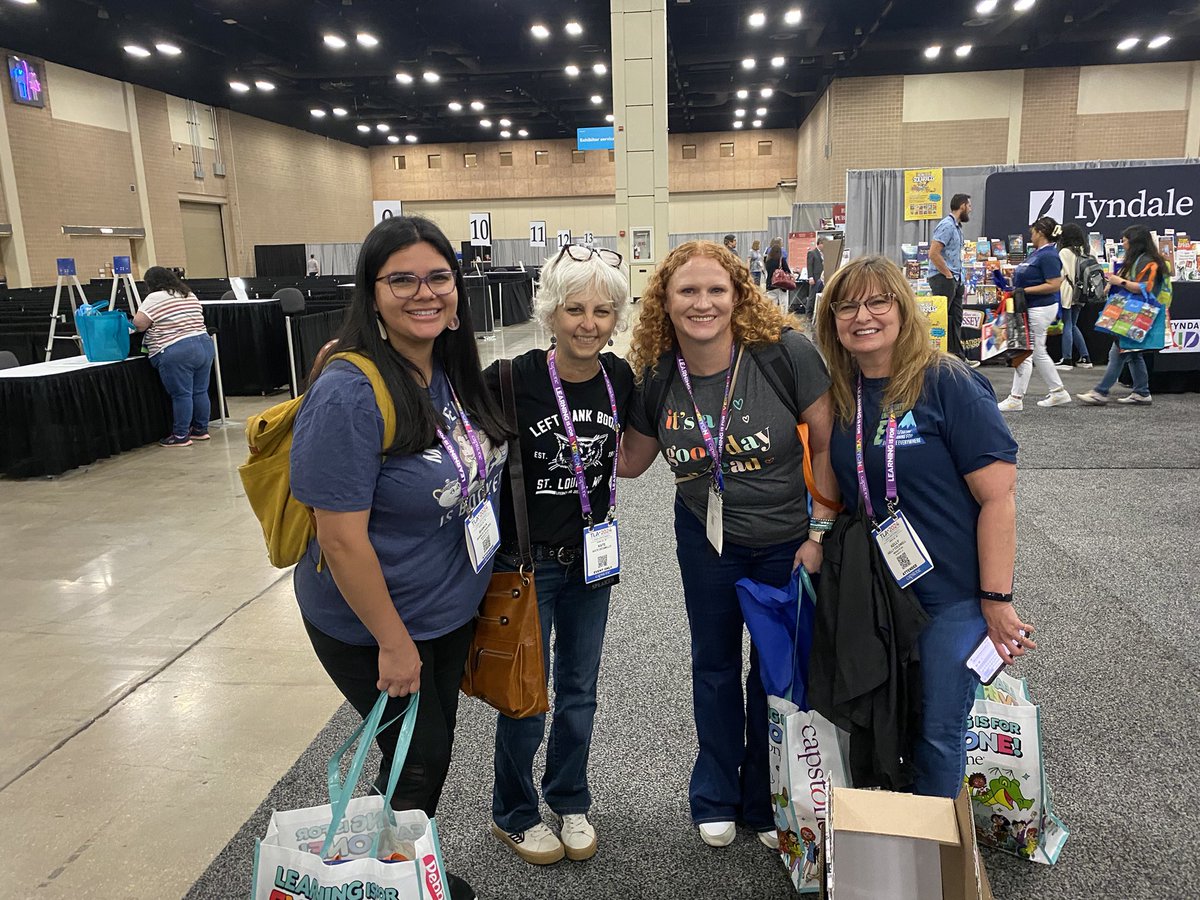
x,y
537,234
481,229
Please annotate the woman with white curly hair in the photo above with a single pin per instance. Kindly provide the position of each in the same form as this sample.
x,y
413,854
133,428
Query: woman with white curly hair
x,y
571,401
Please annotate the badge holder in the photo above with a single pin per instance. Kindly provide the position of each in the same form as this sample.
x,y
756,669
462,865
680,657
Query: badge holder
x,y
483,534
902,549
714,525
601,552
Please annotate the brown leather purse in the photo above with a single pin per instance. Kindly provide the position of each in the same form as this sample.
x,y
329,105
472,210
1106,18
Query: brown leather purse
x,y
505,668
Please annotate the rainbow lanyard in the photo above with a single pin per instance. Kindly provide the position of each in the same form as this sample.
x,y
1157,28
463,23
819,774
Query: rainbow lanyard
x,y
889,459
713,447
564,415
464,480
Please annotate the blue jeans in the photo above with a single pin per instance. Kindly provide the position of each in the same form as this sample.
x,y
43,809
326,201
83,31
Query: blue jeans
x,y
730,780
1071,333
1137,368
947,693
579,617
184,367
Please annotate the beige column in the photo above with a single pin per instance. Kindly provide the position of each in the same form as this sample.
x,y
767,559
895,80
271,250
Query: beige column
x,y
144,253
16,256
639,72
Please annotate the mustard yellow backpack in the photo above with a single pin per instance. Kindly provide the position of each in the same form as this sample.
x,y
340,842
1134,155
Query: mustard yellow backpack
x,y
288,524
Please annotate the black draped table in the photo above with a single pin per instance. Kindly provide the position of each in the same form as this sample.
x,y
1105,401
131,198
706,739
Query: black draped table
x,y
309,334
253,344
512,296
70,412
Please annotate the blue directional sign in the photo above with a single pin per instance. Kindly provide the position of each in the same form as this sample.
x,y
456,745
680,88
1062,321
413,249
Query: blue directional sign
x,y
594,138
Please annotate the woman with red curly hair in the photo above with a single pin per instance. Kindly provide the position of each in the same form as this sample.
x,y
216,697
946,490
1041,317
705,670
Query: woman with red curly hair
x,y
723,382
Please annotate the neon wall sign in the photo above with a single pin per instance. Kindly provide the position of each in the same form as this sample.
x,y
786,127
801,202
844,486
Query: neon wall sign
x,y
26,82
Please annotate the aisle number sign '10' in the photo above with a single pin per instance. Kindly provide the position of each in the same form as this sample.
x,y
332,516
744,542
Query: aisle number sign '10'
x,y
481,229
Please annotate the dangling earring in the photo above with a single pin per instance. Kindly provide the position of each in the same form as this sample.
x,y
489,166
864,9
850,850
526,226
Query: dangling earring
x,y
453,324
611,342
382,328
553,340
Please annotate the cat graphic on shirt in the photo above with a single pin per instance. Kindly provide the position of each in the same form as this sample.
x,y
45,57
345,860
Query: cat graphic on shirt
x,y
591,452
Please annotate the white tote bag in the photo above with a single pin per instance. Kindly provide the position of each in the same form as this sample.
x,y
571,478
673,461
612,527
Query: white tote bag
x,y
353,847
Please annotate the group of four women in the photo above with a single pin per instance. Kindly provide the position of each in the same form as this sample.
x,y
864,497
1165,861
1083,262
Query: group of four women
x,y
393,608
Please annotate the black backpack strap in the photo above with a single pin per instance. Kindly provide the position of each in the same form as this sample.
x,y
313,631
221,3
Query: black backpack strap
x,y
776,365
654,393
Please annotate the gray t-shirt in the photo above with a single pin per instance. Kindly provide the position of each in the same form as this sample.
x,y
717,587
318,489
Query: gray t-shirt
x,y
762,459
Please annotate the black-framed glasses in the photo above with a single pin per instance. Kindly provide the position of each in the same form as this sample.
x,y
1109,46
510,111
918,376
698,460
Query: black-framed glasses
x,y
580,253
877,305
405,285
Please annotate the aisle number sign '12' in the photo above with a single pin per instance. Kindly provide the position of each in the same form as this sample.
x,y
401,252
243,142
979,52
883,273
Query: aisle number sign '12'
x,y
564,238
537,234
481,229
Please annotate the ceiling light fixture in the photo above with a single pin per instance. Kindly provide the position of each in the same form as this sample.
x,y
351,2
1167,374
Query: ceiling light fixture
x,y
539,31
135,50
411,138
454,106
506,134
476,105
334,41
600,69
573,28
339,111
608,118
523,133
1128,44
317,113
757,123
240,86
739,113
792,17
743,94
962,51
777,62
1159,41
431,77
738,123
505,123
364,128
983,7
766,92
486,123
597,99
758,19
167,49
366,40
383,126
933,51
761,111
26,2
1023,5
393,138
748,63
404,78
265,85
572,70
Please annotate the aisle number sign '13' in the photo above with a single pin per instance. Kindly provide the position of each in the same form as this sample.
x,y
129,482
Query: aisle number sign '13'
x,y
537,234
481,229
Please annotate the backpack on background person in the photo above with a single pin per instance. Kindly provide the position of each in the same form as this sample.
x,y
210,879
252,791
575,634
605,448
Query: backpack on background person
x,y
1088,282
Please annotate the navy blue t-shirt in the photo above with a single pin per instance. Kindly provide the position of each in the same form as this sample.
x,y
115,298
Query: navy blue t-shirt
x,y
1042,265
954,430
417,510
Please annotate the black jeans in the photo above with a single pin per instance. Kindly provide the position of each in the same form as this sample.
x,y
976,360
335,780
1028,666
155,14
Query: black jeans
x,y
355,671
952,290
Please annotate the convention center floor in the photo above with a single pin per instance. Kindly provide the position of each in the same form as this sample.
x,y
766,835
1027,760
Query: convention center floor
x,y
160,696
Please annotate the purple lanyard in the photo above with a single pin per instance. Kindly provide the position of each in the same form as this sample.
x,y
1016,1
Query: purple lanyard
x,y
713,447
564,415
464,481
889,459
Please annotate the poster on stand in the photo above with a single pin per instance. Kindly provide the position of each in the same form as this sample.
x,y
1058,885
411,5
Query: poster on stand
x,y
798,245
922,194
936,310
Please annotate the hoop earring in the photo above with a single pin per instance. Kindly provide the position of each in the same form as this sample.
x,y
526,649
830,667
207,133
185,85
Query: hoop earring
x,y
553,340
453,324
611,342
382,328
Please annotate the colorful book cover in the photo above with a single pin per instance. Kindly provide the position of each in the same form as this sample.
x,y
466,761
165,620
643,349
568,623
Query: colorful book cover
x,y
987,294
1096,244
968,253
923,251
983,247
1182,241
1166,246
908,251
998,249
912,269
1016,245
1185,265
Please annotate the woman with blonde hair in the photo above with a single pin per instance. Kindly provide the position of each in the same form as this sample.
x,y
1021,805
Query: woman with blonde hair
x,y
906,408
756,262
723,382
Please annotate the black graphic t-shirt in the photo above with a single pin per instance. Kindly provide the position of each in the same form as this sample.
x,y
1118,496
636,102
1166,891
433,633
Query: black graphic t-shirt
x,y
555,513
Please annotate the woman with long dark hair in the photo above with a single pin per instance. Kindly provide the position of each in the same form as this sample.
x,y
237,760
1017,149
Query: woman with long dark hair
x,y
180,351
1072,246
1144,266
392,607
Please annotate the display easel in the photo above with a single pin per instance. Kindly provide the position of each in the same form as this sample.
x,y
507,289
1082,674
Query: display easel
x,y
66,269
123,271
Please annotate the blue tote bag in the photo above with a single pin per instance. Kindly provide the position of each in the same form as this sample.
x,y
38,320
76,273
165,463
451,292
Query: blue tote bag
x,y
104,332
780,622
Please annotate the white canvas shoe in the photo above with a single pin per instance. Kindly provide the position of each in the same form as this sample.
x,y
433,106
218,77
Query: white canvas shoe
x,y
1011,404
538,845
578,836
1059,397
718,834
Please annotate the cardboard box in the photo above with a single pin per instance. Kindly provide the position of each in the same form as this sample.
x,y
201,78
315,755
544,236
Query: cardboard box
x,y
879,844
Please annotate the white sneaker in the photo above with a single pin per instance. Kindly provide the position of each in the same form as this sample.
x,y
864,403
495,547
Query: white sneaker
x,y
1144,400
578,836
1064,366
538,845
1011,404
1084,364
974,363
1059,397
718,834
769,839
1092,398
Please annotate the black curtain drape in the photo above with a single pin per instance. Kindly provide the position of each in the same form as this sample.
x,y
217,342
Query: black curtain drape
x,y
279,259
309,334
253,346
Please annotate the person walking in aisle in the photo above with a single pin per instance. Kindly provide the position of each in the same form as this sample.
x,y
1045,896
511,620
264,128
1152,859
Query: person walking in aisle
x,y
945,274
1144,266
313,267
180,351
387,589
571,403
1039,277
731,243
708,350
777,259
816,270
755,261
1072,246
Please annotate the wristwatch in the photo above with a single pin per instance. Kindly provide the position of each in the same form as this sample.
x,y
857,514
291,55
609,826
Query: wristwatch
x,y
816,537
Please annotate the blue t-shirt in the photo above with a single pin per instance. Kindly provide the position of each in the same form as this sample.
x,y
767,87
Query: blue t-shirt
x,y
1042,265
949,233
417,510
953,430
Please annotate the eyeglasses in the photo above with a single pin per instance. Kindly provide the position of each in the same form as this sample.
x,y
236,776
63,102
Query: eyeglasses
x,y
877,305
580,253
406,285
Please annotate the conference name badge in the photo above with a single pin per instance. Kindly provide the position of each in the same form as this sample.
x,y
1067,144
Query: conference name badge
x,y
902,549
483,535
601,552
714,525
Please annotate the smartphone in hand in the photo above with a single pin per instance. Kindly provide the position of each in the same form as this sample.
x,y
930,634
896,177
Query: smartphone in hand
x,y
986,661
